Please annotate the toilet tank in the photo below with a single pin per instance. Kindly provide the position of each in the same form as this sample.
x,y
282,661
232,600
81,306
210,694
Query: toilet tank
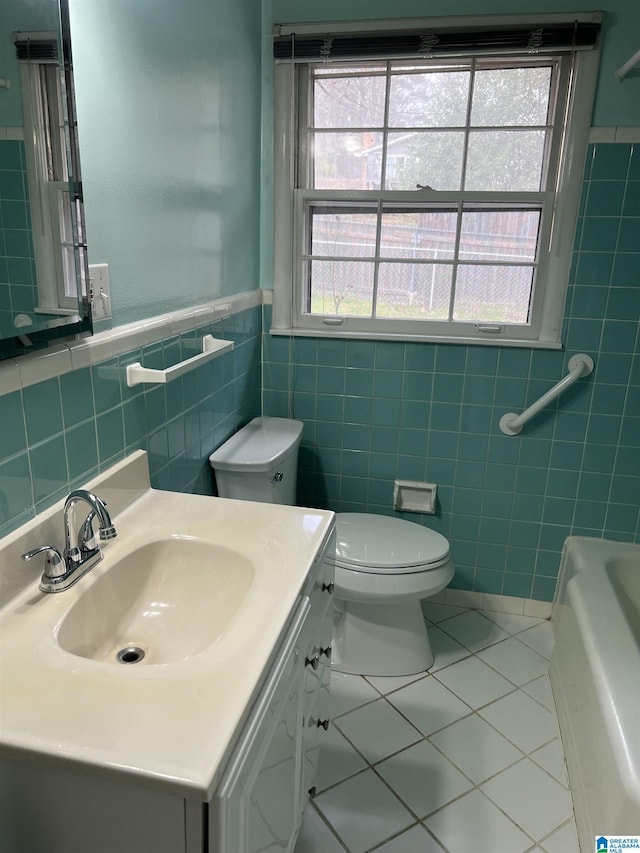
x,y
260,462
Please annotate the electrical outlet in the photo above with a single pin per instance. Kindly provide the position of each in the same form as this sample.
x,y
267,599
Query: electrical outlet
x,y
100,294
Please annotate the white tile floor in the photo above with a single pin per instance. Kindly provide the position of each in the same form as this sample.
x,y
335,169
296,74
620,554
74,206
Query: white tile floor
x,y
464,759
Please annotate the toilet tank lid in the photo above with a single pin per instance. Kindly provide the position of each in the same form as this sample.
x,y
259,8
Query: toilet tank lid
x,y
371,541
259,445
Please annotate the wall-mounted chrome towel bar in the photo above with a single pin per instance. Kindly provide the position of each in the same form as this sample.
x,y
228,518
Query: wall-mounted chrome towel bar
x,y
579,365
211,347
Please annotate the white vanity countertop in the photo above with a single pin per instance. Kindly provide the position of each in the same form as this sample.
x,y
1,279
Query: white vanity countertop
x,y
173,723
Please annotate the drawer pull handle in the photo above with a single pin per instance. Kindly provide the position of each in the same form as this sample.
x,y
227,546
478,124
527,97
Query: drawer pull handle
x,y
323,724
313,662
328,587
326,652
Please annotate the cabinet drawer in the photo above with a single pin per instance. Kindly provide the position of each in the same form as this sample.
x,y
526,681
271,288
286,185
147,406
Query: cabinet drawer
x,y
315,726
317,645
319,586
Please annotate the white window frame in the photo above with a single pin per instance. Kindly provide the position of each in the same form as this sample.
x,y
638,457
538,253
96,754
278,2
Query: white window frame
x,y
577,78
49,195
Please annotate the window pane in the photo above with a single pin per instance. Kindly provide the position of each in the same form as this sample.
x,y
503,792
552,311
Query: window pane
x,y
69,271
63,203
492,294
430,159
505,160
349,102
418,235
342,287
513,96
350,235
414,291
434,99
347,161
504,235
78,220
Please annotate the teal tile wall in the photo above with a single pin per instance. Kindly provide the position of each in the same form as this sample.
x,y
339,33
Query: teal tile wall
x,y
17,263
59,433
376,411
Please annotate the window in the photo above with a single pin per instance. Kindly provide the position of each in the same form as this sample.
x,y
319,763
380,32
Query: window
x,y
56,216
429,197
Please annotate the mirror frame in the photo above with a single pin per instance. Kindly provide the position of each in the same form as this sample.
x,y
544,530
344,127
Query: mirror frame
x,y
62,327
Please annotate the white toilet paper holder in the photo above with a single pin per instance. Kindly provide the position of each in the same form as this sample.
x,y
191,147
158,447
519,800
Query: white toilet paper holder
x,y
414,496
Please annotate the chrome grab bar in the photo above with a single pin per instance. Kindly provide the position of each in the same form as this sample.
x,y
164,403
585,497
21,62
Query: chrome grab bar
x,y
579,365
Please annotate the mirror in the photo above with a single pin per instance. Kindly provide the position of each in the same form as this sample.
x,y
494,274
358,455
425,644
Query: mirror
x,y
43,266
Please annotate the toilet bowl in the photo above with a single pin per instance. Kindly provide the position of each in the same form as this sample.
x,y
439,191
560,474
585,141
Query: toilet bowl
x,y
384,566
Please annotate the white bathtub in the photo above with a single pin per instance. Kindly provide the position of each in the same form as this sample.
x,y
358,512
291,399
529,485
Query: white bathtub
x,y
595,674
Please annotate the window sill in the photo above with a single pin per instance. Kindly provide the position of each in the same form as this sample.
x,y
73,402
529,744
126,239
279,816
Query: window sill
x,y
432,339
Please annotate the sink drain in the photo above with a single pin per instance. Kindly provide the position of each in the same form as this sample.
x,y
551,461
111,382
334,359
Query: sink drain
x,y
130,654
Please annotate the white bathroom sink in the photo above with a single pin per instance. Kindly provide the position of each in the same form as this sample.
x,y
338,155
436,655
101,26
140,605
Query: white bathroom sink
x,y
204,586
161,603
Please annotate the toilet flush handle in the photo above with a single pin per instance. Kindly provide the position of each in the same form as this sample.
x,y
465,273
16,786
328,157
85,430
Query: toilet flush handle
x,y
328,587
277,477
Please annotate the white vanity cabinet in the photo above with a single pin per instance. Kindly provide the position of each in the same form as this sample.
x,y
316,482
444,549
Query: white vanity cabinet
x,y
48,807
258,804
213,750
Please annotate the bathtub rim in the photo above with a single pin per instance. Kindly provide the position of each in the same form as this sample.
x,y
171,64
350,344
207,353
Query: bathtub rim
x,y
584,588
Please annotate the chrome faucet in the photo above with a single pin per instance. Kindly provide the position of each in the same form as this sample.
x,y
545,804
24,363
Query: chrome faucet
x,y
81,549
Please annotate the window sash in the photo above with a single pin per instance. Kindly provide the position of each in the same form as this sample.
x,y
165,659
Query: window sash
x,y
559,67
460,203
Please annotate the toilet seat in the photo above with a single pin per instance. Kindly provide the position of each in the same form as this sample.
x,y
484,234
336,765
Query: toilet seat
x,y
381,545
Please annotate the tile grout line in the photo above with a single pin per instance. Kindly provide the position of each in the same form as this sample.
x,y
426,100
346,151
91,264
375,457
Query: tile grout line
x,y
329,825
474,785
442,669
524,755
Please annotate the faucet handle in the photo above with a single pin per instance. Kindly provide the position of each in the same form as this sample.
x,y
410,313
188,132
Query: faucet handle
x,y
55,565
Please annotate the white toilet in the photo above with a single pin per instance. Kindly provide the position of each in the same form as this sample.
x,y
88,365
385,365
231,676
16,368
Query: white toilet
x,y
384,566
